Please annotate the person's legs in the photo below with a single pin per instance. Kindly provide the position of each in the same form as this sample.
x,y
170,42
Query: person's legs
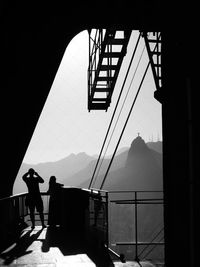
x,y
32,215
40,209
42,219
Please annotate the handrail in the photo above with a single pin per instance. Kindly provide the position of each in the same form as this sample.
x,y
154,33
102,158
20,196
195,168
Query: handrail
x,y
43,193
99,213
13,196
120,257
133,191
99,190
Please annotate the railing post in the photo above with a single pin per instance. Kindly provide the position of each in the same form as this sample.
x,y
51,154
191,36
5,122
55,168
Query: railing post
x,y
107,230
136,230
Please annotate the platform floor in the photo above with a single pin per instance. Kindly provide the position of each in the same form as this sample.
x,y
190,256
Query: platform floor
x,y
135,264
50,248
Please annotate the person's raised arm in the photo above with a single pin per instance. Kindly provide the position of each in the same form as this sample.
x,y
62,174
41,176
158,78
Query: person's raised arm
x,y
25,176
40,179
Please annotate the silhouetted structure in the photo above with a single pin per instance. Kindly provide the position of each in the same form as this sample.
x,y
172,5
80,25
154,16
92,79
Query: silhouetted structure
x,y
54,201
33,199
32,51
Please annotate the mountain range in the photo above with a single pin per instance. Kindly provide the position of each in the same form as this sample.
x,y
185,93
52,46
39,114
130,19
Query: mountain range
x,y
136,168
139,170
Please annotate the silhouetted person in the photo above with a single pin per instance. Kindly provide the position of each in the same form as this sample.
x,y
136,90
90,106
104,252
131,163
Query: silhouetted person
x,y
54,201
34,199
97,207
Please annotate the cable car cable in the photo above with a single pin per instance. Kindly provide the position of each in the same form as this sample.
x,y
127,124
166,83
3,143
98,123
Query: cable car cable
x,y
91,181
125,125
119,114
126,121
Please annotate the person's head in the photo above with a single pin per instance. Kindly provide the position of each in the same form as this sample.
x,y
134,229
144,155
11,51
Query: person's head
x,y
52,179
31,171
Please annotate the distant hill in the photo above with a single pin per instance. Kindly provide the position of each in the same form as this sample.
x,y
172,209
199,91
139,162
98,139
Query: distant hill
x,y
138,167
141,169
83,177
72,170
62,169
142,172
76,170
157,146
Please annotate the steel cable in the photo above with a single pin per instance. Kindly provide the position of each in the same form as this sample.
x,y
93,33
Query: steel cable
x,y
91,181
119,114
126,121
125,125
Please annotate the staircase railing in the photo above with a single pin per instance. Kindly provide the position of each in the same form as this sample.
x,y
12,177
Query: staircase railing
x,y
106,52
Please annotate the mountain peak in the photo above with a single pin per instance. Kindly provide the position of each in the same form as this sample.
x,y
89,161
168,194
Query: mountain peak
x,y
138,145
138,149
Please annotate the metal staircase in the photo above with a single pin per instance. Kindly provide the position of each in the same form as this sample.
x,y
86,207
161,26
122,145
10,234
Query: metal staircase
x,y
153,45
107,49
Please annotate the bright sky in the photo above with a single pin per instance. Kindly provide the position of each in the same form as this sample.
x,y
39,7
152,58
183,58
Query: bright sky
x,y
65,125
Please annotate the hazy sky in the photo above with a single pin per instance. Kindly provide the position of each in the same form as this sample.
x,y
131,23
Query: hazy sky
x,y
65,125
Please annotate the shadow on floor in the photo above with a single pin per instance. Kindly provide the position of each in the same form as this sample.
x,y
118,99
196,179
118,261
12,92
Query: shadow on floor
x,y
67,242
70,243
19,246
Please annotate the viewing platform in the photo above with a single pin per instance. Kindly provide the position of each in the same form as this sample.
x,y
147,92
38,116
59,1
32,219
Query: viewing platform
x,y
67,244
47,247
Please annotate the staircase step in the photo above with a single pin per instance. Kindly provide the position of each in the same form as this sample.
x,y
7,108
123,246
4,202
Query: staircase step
x,y
112,54
155,40
101,90
103,100
157,53
157,65
98,106
108,67
120,41
107,79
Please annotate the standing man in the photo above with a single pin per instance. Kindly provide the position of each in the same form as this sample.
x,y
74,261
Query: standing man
x,y
34,200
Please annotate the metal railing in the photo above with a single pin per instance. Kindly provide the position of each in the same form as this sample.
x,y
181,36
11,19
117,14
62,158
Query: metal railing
x,y
14,210
15,213
129,223
136,224
95,43
98,214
